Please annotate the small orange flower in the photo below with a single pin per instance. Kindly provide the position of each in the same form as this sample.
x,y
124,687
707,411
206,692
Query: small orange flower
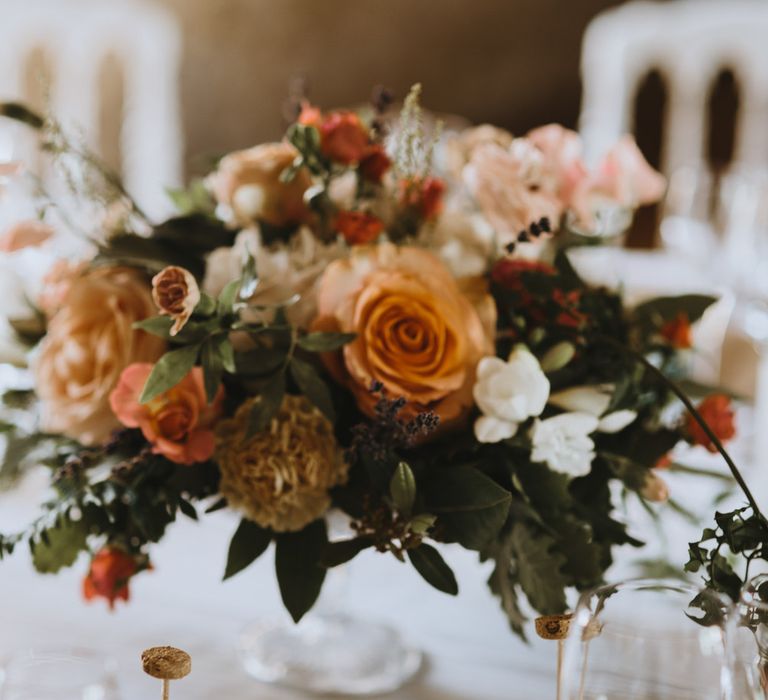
x,y
357,227
375,163
111,570
425,196
310,115
178,423
343,138
655,489
717,412
677,332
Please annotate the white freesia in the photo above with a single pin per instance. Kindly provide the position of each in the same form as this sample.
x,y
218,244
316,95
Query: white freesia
x,y
564,444
508,393
594,400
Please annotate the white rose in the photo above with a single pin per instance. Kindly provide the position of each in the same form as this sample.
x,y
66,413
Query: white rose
x,y
508,393
563,443
594,400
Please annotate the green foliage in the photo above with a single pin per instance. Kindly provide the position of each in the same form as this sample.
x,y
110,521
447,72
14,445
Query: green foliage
x,y
539,569
59,546
402,488
169,370
433,569
195,199
324,342
312,386
298,562
248,543
470,506
266,405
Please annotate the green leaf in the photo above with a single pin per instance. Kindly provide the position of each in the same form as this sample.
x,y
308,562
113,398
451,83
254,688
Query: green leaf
x,y
433,569
297,563
402,488
228,297
21,113
313,387
157,325
248,543
187,508
663,309
212,369
421,524
539,570
471,506
170,369
325,342
266,405
337,553
59,547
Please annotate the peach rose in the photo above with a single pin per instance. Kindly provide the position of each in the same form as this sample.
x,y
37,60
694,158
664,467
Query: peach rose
x,y
90,341
178,423
176,293
418,332
56,284
248,182
25,234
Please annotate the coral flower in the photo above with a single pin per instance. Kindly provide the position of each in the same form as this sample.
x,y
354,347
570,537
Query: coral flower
x,y
111,570
677,332
357,227
178,423
375,163
425,196
343,138
418,333
717,412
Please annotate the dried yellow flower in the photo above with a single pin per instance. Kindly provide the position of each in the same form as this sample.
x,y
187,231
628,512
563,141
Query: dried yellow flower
x,y
280,477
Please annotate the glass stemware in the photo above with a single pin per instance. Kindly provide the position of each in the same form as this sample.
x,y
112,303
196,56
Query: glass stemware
x,y
648,640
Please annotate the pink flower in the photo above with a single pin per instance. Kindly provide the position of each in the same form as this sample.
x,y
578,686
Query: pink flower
x,y
179,423
563,165
512,187
623,178
25,234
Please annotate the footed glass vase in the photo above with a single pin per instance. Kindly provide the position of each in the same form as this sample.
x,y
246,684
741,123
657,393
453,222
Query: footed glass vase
x,y
329,651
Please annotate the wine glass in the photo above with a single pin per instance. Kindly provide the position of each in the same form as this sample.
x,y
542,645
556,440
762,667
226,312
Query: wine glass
x,y
648,639
749,639
64,674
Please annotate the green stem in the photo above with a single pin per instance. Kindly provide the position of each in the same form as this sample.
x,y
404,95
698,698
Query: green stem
x,y
697,417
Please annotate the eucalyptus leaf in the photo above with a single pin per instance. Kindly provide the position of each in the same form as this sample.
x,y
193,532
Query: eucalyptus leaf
x,y
212,369
248,543
338,553
402,488
433,569
170,369
300,575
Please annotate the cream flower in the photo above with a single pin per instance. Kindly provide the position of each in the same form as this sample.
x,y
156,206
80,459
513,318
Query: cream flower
x,y
595,401
281,477
563,443
508,393
176,294
288,272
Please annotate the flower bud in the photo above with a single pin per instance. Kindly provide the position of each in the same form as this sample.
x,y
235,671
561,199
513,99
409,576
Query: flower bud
x,y
176,294
655,489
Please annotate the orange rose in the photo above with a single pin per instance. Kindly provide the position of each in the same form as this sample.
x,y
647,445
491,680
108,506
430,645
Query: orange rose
x,y
343,138
677,332
111,570
418,333
717,412
357,227
90,341
179,423
248,182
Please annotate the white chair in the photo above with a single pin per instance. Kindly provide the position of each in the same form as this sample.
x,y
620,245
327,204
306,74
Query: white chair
x,y
77,36
689,42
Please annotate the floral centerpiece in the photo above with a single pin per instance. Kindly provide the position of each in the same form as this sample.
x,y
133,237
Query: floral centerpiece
x,y
370,315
